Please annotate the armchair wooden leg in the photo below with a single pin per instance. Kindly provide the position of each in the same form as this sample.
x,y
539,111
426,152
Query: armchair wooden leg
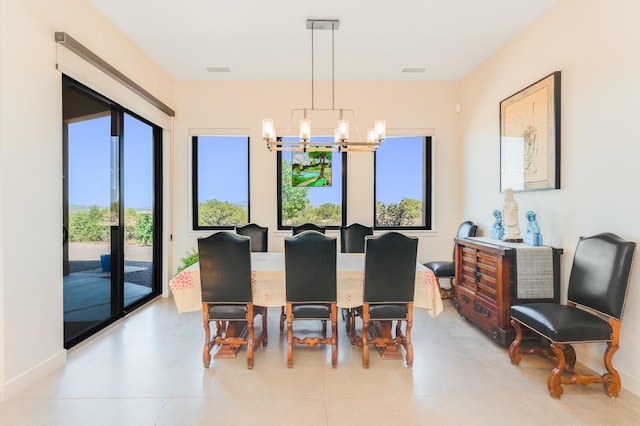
x,y
514,348
612,384
555,377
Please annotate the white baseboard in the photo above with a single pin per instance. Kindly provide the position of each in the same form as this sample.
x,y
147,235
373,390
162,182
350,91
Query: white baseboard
x,y
32,376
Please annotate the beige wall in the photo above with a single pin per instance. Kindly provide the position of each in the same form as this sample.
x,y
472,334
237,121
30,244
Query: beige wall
x,y
240,107
31,331
595,44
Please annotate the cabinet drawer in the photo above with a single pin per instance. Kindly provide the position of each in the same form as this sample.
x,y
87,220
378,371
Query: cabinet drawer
x,y
484,314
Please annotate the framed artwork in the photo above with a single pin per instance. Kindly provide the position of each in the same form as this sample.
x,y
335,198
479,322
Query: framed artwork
x,y
530,137
311,169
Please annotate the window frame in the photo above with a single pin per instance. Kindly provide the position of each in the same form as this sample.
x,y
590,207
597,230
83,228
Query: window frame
x,y
282,227
194,184
427,210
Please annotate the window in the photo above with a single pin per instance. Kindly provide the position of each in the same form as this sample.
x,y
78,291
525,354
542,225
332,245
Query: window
x,y
299,201
403,183
220,181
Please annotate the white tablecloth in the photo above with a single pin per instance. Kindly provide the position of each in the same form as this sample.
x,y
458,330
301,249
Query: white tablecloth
x,y
268,281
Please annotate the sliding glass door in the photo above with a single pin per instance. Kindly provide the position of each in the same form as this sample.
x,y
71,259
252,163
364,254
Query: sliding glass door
x,y
111,210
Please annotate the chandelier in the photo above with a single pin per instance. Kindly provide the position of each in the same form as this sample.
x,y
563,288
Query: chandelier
x,y
341,140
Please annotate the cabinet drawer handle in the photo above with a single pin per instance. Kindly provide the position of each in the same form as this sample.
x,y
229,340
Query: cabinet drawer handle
x,y
477,273
465,298
481,310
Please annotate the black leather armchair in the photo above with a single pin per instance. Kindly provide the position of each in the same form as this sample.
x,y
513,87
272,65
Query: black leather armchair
x,y
295,230
225,276
259,236
593,313
389,285
310,271
447,268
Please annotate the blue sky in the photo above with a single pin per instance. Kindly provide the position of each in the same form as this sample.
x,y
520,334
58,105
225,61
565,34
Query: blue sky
x,y
399,167
90,162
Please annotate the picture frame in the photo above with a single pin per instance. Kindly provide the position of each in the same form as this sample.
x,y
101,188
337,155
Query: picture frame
x,y
530,137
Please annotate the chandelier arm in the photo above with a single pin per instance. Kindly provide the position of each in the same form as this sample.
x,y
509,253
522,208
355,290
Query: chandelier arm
x,y
313,105
333,67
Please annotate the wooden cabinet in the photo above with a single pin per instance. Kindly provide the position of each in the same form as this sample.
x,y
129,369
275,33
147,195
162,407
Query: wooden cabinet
x,y
487,284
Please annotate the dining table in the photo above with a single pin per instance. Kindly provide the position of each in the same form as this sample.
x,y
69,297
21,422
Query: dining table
x,y
269,288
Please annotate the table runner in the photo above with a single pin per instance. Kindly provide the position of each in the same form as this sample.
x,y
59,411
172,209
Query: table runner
x,y
534,269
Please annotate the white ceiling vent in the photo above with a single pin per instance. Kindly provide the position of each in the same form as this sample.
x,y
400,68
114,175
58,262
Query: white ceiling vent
x,y
218,69
414,69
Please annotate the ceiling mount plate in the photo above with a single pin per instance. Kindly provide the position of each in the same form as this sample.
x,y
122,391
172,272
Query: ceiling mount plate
x,y
323,24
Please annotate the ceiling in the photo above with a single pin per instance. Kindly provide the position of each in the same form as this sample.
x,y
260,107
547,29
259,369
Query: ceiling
x,y
269,40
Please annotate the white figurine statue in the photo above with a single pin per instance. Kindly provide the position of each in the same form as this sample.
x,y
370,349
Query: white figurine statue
x,y
510,218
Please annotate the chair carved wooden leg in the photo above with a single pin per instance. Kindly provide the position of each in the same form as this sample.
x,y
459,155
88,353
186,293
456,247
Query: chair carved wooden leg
x,y
289,337
408,346
250,339
355,339
265,336
206,351
334,336
282,316
365,341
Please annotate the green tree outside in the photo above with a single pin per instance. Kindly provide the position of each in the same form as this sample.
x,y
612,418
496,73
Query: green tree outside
x,y
144,229
91,225
221,213
406,213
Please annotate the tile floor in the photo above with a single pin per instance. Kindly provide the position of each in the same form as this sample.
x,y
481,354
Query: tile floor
x,y
147,370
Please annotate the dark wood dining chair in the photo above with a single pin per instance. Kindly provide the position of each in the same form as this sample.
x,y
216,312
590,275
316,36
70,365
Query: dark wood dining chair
x,y
447,268
352,237
352,241
259,236
310,274
225,276
389,285
259,243
593,313
295,230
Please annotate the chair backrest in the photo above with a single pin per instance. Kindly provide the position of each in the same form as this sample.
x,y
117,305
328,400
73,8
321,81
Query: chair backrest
x,y
310,267
390,268
600,273
225,268
352,237
259,236
466,229
295,230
